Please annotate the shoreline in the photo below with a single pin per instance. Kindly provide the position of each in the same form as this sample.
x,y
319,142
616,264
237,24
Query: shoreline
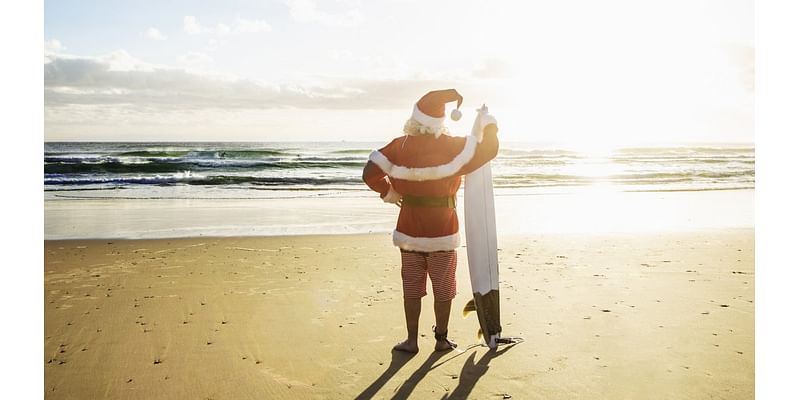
x,y
593,209
388,234
627,315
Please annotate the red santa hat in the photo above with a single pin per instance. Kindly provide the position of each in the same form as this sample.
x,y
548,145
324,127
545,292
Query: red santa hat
x,y
429,109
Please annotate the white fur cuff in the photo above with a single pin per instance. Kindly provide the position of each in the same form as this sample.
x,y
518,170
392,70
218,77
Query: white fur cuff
x,y
482,120
392,196
487,120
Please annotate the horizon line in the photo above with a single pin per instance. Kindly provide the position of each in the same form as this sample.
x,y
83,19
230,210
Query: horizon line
x,y
549,143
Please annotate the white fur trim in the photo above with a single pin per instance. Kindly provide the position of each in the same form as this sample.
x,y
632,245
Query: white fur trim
x,y
482,120
487,120
392,196
426,119
426,173
426,244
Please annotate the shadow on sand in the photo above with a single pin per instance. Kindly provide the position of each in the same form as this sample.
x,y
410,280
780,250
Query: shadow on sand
x,y
398,360
471,372
408,386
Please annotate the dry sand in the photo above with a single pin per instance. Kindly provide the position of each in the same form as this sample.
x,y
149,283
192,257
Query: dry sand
x,y
636,316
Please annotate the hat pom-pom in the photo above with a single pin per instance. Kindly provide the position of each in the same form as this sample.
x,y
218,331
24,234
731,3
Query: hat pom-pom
x,y
455,115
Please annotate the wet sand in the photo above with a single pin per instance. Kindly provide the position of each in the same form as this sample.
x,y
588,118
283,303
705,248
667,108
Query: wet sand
x,y
638,315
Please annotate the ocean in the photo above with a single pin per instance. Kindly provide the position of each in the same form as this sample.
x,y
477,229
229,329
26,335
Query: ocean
x,y
243,170
157,190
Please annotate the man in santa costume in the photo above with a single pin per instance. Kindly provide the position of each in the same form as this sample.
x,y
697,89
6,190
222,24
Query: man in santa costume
x,y
421,172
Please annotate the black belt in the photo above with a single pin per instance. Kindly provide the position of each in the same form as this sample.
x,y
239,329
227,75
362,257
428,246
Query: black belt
x,y
426,201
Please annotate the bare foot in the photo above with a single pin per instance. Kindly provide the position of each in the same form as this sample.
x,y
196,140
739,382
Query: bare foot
x,y
407,346
444,345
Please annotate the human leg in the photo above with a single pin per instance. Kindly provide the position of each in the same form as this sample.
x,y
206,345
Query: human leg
x,y
414,276
412,308
442,311
442,269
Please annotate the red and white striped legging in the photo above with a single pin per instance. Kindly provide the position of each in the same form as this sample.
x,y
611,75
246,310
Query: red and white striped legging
x,y
440,265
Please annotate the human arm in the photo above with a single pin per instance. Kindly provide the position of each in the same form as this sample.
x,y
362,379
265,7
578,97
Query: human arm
x,y
377,180
488,144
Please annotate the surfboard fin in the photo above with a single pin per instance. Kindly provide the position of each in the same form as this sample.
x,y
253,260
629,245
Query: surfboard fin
x,y
469,307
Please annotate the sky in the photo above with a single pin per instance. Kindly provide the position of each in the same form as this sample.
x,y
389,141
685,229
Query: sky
x,y
576,72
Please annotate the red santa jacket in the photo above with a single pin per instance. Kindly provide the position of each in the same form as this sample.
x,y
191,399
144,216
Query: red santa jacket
x,y
432,167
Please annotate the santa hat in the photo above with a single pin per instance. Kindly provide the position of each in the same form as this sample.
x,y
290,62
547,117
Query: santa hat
x,y
429,109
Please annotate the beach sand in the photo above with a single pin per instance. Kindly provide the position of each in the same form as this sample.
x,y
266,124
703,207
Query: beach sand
x,y
617,316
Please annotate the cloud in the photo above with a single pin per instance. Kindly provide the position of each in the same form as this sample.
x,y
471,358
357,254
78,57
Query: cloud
x,y
493,68
307,11
196,60
155,34
191,26
53,46
251,26
121,80
240,26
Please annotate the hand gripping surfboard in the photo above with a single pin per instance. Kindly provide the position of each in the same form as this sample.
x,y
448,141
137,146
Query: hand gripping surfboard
x,y
481,232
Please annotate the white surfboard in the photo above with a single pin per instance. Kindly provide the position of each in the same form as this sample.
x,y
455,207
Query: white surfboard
x,y
481,232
